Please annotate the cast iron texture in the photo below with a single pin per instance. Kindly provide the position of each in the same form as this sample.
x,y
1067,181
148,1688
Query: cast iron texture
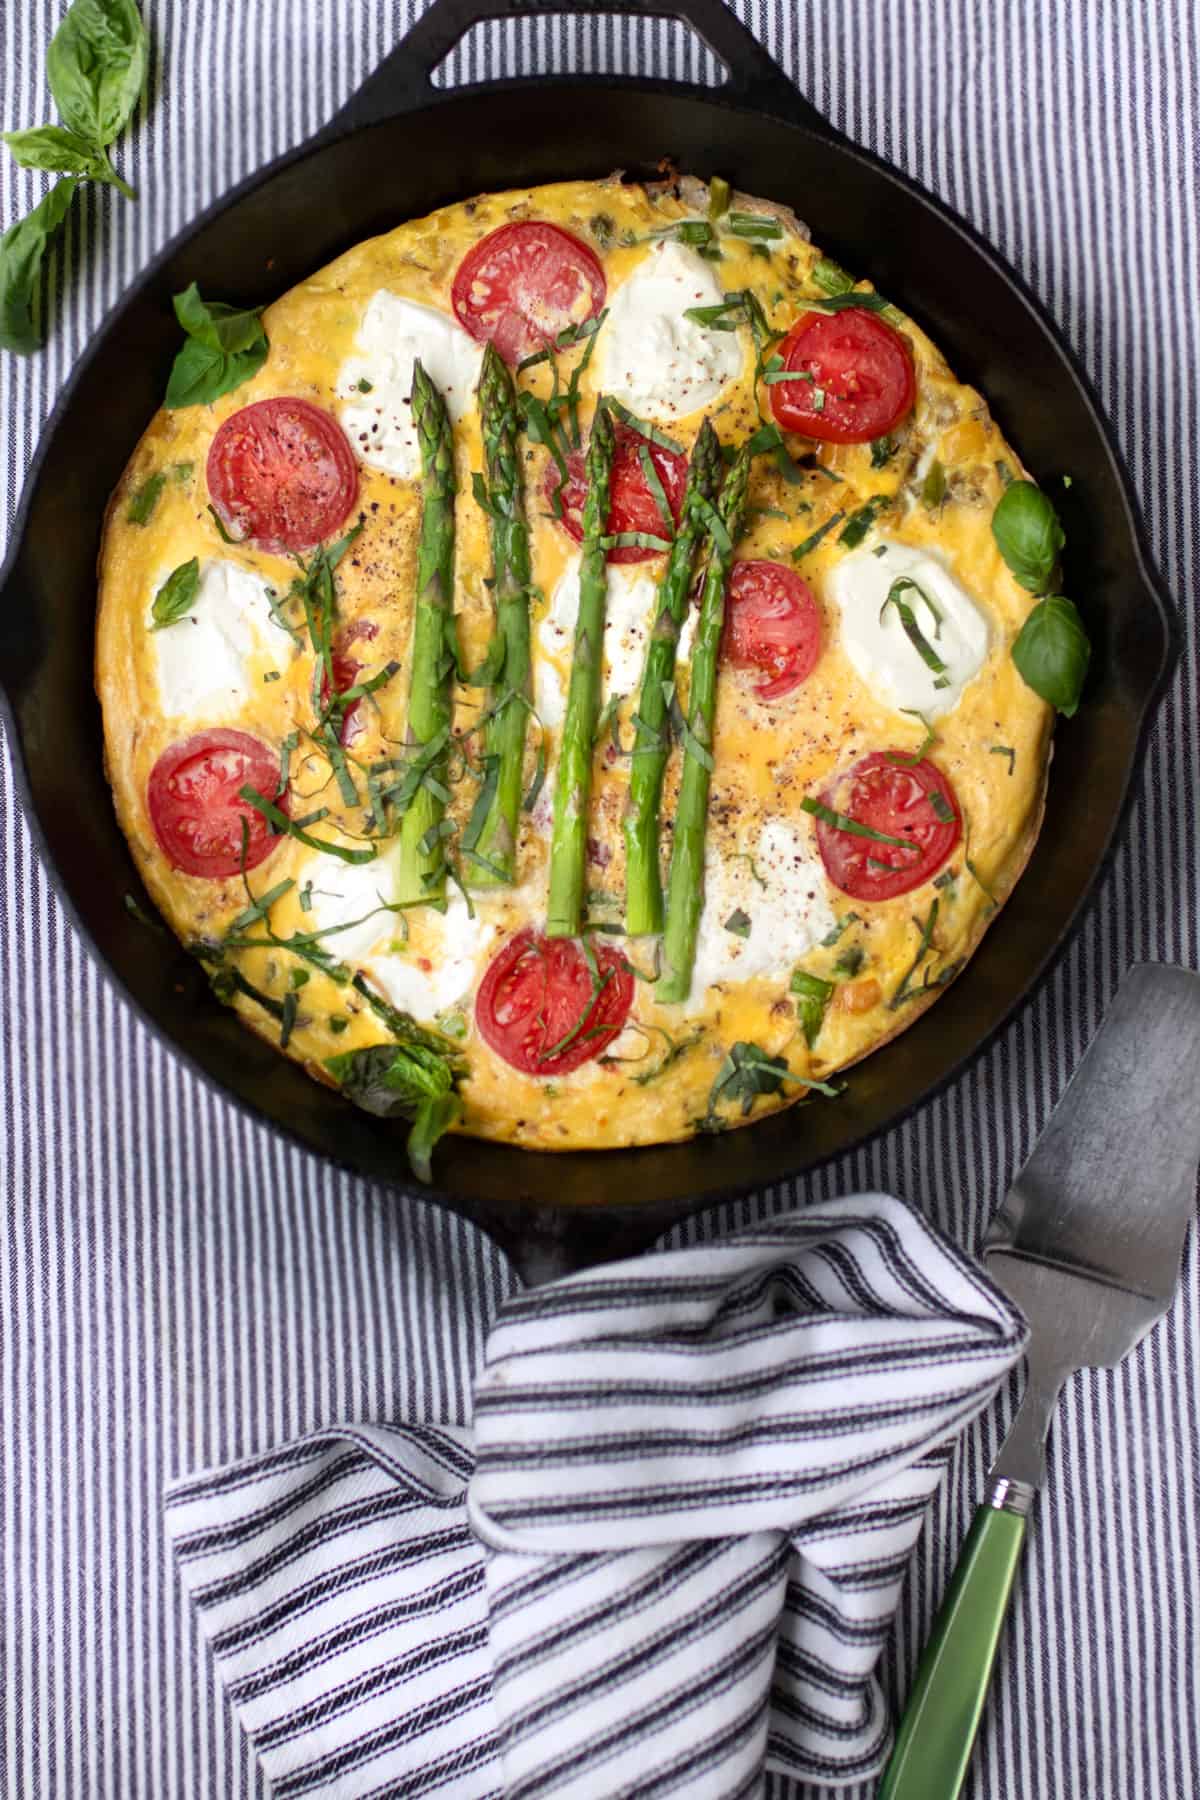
x,y
400,148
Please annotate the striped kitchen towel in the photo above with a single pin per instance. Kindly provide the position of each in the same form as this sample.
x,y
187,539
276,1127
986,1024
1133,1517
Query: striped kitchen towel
x,y
665,1557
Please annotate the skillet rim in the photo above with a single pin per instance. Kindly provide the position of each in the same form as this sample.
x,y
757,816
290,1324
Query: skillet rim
x,y
511,1222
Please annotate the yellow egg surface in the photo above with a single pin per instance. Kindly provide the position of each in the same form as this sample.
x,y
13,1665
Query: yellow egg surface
x,y
313,949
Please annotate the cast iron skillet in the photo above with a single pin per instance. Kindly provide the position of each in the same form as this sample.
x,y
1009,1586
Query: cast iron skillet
x,y
399,148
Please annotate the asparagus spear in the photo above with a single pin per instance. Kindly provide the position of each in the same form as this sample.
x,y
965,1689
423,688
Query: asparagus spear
x,y
685,884
643,886
573,781
421,874
510,569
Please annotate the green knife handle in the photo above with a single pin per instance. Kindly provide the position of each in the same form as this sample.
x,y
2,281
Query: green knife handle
x,y
937,1732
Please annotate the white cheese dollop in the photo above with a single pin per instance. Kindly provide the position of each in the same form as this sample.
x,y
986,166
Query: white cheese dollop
x,y
629,610
453,945
347,901
442,958
202,660
394,333
875,640
661,364
785,896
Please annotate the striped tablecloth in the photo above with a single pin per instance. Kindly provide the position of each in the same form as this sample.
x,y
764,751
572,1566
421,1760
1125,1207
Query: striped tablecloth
x,y
177,1288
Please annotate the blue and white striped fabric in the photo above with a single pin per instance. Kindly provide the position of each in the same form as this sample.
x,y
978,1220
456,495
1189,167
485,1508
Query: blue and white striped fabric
x,y
666,1556
179,1289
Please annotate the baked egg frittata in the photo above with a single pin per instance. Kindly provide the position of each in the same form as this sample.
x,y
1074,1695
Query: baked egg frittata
x,y
557,666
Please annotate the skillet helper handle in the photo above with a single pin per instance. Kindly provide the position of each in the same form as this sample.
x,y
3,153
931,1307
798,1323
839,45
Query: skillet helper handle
x,y
402,82
937,1733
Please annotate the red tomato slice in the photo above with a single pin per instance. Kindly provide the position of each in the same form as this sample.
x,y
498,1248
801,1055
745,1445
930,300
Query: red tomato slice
x,y
539,991
282,474
898,801
772,623
194,806
631,506
523,284
862,384
346,671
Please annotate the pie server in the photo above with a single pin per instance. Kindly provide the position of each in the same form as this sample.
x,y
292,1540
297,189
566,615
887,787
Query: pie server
x,y
1088,1245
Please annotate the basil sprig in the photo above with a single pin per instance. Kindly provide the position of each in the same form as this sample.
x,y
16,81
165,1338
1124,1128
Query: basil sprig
x,y
177,595
1028,535
225,346
1052,650
1052,653
414,1079
96,67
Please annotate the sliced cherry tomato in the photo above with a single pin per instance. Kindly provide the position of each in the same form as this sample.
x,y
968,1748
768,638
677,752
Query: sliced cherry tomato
x,y
538,1006
194,804
282,474
631,505
772,623
914,802
523,284
346,671
862,384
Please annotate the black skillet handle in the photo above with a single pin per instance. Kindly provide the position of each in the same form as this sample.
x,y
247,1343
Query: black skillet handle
x,y
402,82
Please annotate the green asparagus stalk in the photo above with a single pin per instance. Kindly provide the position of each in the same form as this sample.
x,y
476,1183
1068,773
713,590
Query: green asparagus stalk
x,y
421,873
573,781
506,727
643,885
685,884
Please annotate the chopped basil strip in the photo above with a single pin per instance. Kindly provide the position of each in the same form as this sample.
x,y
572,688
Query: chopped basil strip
x,y
842,822
841,926
855,301
814,538
904,991
1004,750
282,823
738,923
643,426
912,630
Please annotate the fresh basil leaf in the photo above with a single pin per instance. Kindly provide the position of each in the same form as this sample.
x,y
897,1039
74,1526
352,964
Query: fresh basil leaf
x,y
177,595
216,325
434,1119
1028,534
55,148
143,500
1052,652
96,66
226,345
22,249
200,375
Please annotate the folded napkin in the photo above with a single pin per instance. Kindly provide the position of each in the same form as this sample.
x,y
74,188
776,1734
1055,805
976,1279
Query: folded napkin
x,y
665,1557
